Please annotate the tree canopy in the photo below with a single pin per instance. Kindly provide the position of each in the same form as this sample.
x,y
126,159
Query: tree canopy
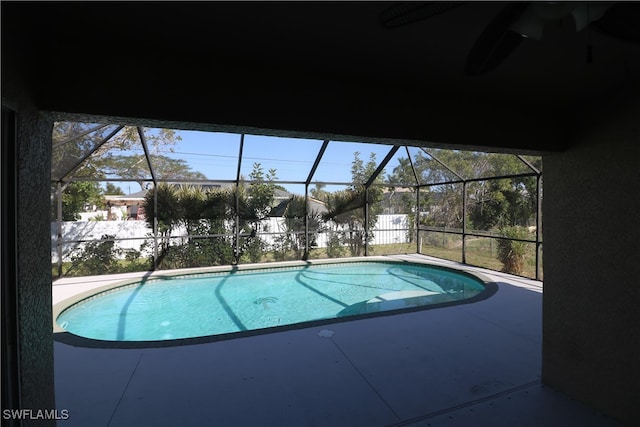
x,y
490,203
346,208
79,151
212,211
70,147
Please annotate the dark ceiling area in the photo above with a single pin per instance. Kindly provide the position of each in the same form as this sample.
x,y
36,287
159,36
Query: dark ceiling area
x,y
448,74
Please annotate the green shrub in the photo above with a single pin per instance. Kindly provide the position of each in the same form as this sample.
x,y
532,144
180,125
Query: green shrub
x,y
512,254
133,261
96,257
103,257
253,249
334,246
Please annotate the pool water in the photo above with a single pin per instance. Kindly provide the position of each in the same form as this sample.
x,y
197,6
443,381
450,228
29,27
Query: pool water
x,y
220,303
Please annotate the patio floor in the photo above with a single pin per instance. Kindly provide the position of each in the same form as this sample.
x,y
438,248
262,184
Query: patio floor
x,y
466,365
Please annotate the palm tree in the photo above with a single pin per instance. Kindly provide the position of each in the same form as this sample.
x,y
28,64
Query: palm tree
x,y
295,237
167,214
346,209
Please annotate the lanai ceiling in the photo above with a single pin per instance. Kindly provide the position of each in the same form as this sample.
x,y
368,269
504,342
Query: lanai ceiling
x,y
318,68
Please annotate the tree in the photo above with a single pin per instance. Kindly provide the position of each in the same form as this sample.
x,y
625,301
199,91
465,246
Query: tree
x,y
113,190
346,208
512,253
261,192
318,192
137,168
253,206
213,211
504,202
168,212
194,250
201,212
191,202
74,198
106,160
443,203
446,208
403,176
294,237
218,212
65,155
360,174
490,203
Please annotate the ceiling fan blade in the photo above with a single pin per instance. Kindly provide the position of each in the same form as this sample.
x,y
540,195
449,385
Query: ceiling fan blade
x,y
496,42
405,13
622,21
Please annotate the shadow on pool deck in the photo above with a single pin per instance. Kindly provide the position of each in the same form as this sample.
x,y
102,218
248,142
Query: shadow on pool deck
x,y
467,365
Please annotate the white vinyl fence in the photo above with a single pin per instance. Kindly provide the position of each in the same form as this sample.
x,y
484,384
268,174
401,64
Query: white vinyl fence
x,y
389,229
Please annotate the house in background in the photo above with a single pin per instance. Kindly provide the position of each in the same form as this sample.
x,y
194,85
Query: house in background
x,y
283,198
125,207
129,206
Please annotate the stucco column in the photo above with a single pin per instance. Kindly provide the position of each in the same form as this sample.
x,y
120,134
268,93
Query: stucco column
x,y
591,346
34,263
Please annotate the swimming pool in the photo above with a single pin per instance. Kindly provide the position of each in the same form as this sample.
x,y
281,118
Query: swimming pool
x,y
209,304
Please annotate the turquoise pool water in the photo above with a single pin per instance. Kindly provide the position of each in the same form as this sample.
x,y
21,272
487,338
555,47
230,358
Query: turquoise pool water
x,y
219,303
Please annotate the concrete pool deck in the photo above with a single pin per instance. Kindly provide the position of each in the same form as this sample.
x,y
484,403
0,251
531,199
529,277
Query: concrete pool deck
x,y
467,365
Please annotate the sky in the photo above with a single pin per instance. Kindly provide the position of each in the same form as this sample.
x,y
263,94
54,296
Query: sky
x,y
215,155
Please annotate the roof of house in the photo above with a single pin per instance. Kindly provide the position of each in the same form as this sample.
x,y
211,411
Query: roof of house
x,y
314,206
132,197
